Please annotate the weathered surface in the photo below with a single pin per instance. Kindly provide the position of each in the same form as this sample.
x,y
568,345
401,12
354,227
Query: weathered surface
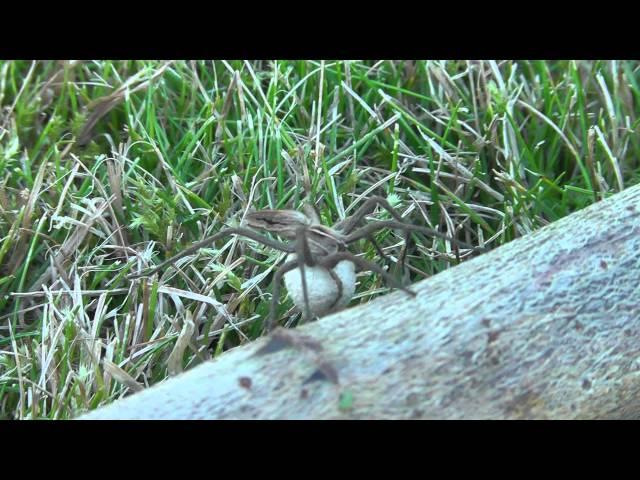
x,y
547,326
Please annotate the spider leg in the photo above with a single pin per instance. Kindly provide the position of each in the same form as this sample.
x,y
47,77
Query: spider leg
x,y
338,282
372,227
245,232
331,260
383,256
347,226
275,291
377,247
303,252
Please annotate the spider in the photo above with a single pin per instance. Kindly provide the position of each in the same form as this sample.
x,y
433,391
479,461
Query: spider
x,y
327,266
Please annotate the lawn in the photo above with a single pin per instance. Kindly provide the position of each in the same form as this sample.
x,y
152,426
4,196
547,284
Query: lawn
x,y
111,167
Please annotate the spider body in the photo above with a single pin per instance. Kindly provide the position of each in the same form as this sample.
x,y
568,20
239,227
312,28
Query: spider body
x,y
319,272
316,284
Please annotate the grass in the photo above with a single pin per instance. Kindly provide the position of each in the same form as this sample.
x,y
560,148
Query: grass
x,y
110,167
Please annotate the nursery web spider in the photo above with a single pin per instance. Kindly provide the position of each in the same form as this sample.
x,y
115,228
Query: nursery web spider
x,y
327,263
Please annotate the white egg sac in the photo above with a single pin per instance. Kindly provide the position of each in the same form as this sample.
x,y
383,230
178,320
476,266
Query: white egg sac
x,y
322,289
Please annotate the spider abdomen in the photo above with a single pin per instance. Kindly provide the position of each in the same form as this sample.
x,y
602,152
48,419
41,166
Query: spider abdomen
x,y
322,289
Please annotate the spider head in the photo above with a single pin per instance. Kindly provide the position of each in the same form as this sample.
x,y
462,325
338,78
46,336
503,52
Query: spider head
x,y
281,222
324,240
